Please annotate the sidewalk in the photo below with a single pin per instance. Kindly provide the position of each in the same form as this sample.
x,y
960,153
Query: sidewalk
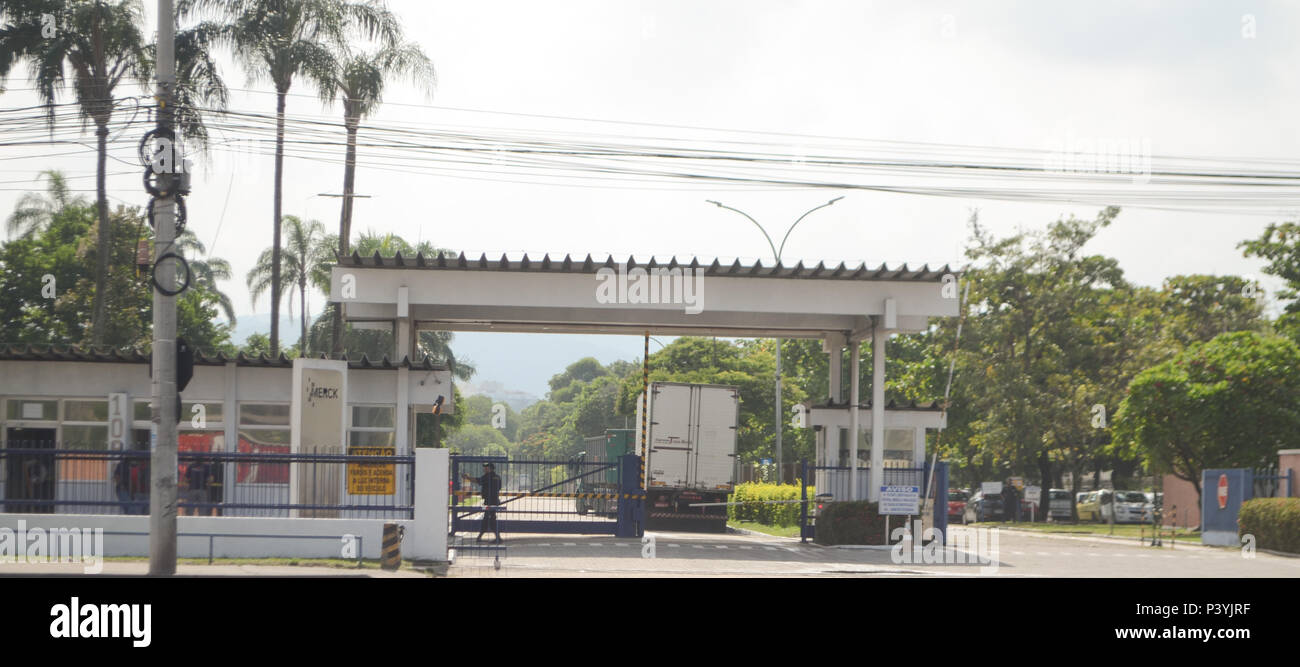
x,y
141,569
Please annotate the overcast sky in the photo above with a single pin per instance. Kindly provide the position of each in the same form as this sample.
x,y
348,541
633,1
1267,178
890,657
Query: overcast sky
x,y
1015,74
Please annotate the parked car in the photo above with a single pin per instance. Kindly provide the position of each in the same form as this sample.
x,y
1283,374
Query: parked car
x,y
957,504
1095,506
984,508
1132,507
1060,507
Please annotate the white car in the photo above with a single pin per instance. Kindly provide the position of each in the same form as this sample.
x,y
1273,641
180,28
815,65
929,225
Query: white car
x,y
1132,507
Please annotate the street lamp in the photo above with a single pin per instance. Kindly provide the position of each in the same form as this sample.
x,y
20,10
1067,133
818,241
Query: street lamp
x,y
776,252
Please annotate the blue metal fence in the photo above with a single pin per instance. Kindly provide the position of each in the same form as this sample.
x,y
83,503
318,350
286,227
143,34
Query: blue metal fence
x,y
96,480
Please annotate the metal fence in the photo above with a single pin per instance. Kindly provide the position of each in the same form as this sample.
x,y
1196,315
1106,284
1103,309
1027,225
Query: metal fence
x,y
73,479
574,496
825,484
837,480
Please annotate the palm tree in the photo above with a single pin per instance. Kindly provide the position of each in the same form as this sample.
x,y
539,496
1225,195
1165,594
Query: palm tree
x,y
101,43
300,261
360,82
34,212
207,271
279,40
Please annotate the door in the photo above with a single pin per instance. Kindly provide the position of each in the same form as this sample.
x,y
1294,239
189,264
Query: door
x,y
30,475
716,443
671,444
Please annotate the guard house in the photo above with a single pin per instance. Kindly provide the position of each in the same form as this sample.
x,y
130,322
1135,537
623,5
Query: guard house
x,y
840,305
72,398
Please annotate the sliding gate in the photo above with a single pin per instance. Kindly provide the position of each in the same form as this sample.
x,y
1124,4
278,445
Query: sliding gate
x,y
581,496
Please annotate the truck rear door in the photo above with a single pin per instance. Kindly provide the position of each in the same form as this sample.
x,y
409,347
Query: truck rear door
x,y
671,443
715,442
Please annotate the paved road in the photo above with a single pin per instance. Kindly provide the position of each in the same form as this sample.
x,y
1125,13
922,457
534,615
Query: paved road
x,y
1018,555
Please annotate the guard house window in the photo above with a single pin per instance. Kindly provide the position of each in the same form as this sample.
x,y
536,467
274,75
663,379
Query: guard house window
x,y
201,430
372,426
85,427
263,429
898,447
20,409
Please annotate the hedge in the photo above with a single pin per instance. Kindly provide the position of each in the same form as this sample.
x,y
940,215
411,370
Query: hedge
x,y
853,522
1275,523
770,514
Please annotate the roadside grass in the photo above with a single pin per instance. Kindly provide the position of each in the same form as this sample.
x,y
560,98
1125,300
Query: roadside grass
x,y
778,531
349,564
1131,530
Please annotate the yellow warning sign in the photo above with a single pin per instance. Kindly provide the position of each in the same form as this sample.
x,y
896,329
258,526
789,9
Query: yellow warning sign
x,y
372,479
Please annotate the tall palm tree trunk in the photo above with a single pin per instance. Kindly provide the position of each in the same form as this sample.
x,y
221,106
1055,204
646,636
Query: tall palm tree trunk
x,y
345,227
302,316
275,243
105,239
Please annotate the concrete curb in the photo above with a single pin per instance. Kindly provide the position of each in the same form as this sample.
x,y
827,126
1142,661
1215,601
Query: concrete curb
x,y
1100,538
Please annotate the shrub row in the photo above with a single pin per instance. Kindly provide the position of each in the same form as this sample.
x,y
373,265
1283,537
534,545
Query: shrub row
x,y
771,514
1275,523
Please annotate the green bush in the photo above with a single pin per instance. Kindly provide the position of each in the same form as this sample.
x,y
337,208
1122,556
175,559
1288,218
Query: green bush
x,y
752,494
1275,523
854,522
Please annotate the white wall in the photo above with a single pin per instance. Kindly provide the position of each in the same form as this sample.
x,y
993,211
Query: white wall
x,y
425,539
276,544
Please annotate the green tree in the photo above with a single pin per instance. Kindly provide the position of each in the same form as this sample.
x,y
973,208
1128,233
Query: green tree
x,y
101,43
279,41
206,271
300,264
47,287
360,82
35,212
1229,403
1280,245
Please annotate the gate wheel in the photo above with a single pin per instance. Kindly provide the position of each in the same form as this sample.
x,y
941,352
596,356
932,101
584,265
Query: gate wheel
x,y
496,563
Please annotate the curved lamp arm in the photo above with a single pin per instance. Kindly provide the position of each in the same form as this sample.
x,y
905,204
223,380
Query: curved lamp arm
x,y
796,223
760,227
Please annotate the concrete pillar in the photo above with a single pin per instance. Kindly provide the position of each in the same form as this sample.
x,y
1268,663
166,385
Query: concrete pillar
x,y
855,365
428,536
833,346
878,336
402,415
918,446
230,422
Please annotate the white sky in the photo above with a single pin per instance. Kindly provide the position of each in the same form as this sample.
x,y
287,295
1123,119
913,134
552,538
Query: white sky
x,y
1015,74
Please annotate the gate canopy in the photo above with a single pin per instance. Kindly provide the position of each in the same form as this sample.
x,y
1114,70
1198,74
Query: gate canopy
x,y
674,297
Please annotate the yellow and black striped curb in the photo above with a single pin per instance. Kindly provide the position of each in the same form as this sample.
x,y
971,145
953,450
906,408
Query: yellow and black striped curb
x,y
675,515
391,552
606,496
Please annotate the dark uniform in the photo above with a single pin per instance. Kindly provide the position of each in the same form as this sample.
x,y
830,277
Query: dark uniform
x,y
490,488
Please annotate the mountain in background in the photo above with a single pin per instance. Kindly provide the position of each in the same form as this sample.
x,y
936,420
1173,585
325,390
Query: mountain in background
x,y
513,368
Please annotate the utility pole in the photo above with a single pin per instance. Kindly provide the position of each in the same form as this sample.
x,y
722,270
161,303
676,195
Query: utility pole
x,y
776,252
162,500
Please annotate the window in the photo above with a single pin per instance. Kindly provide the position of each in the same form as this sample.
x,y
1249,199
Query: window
x,y
263,429
39,410
263,414
84,427
372,426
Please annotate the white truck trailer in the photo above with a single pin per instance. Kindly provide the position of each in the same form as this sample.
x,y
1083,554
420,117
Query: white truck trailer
x,y
692,455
